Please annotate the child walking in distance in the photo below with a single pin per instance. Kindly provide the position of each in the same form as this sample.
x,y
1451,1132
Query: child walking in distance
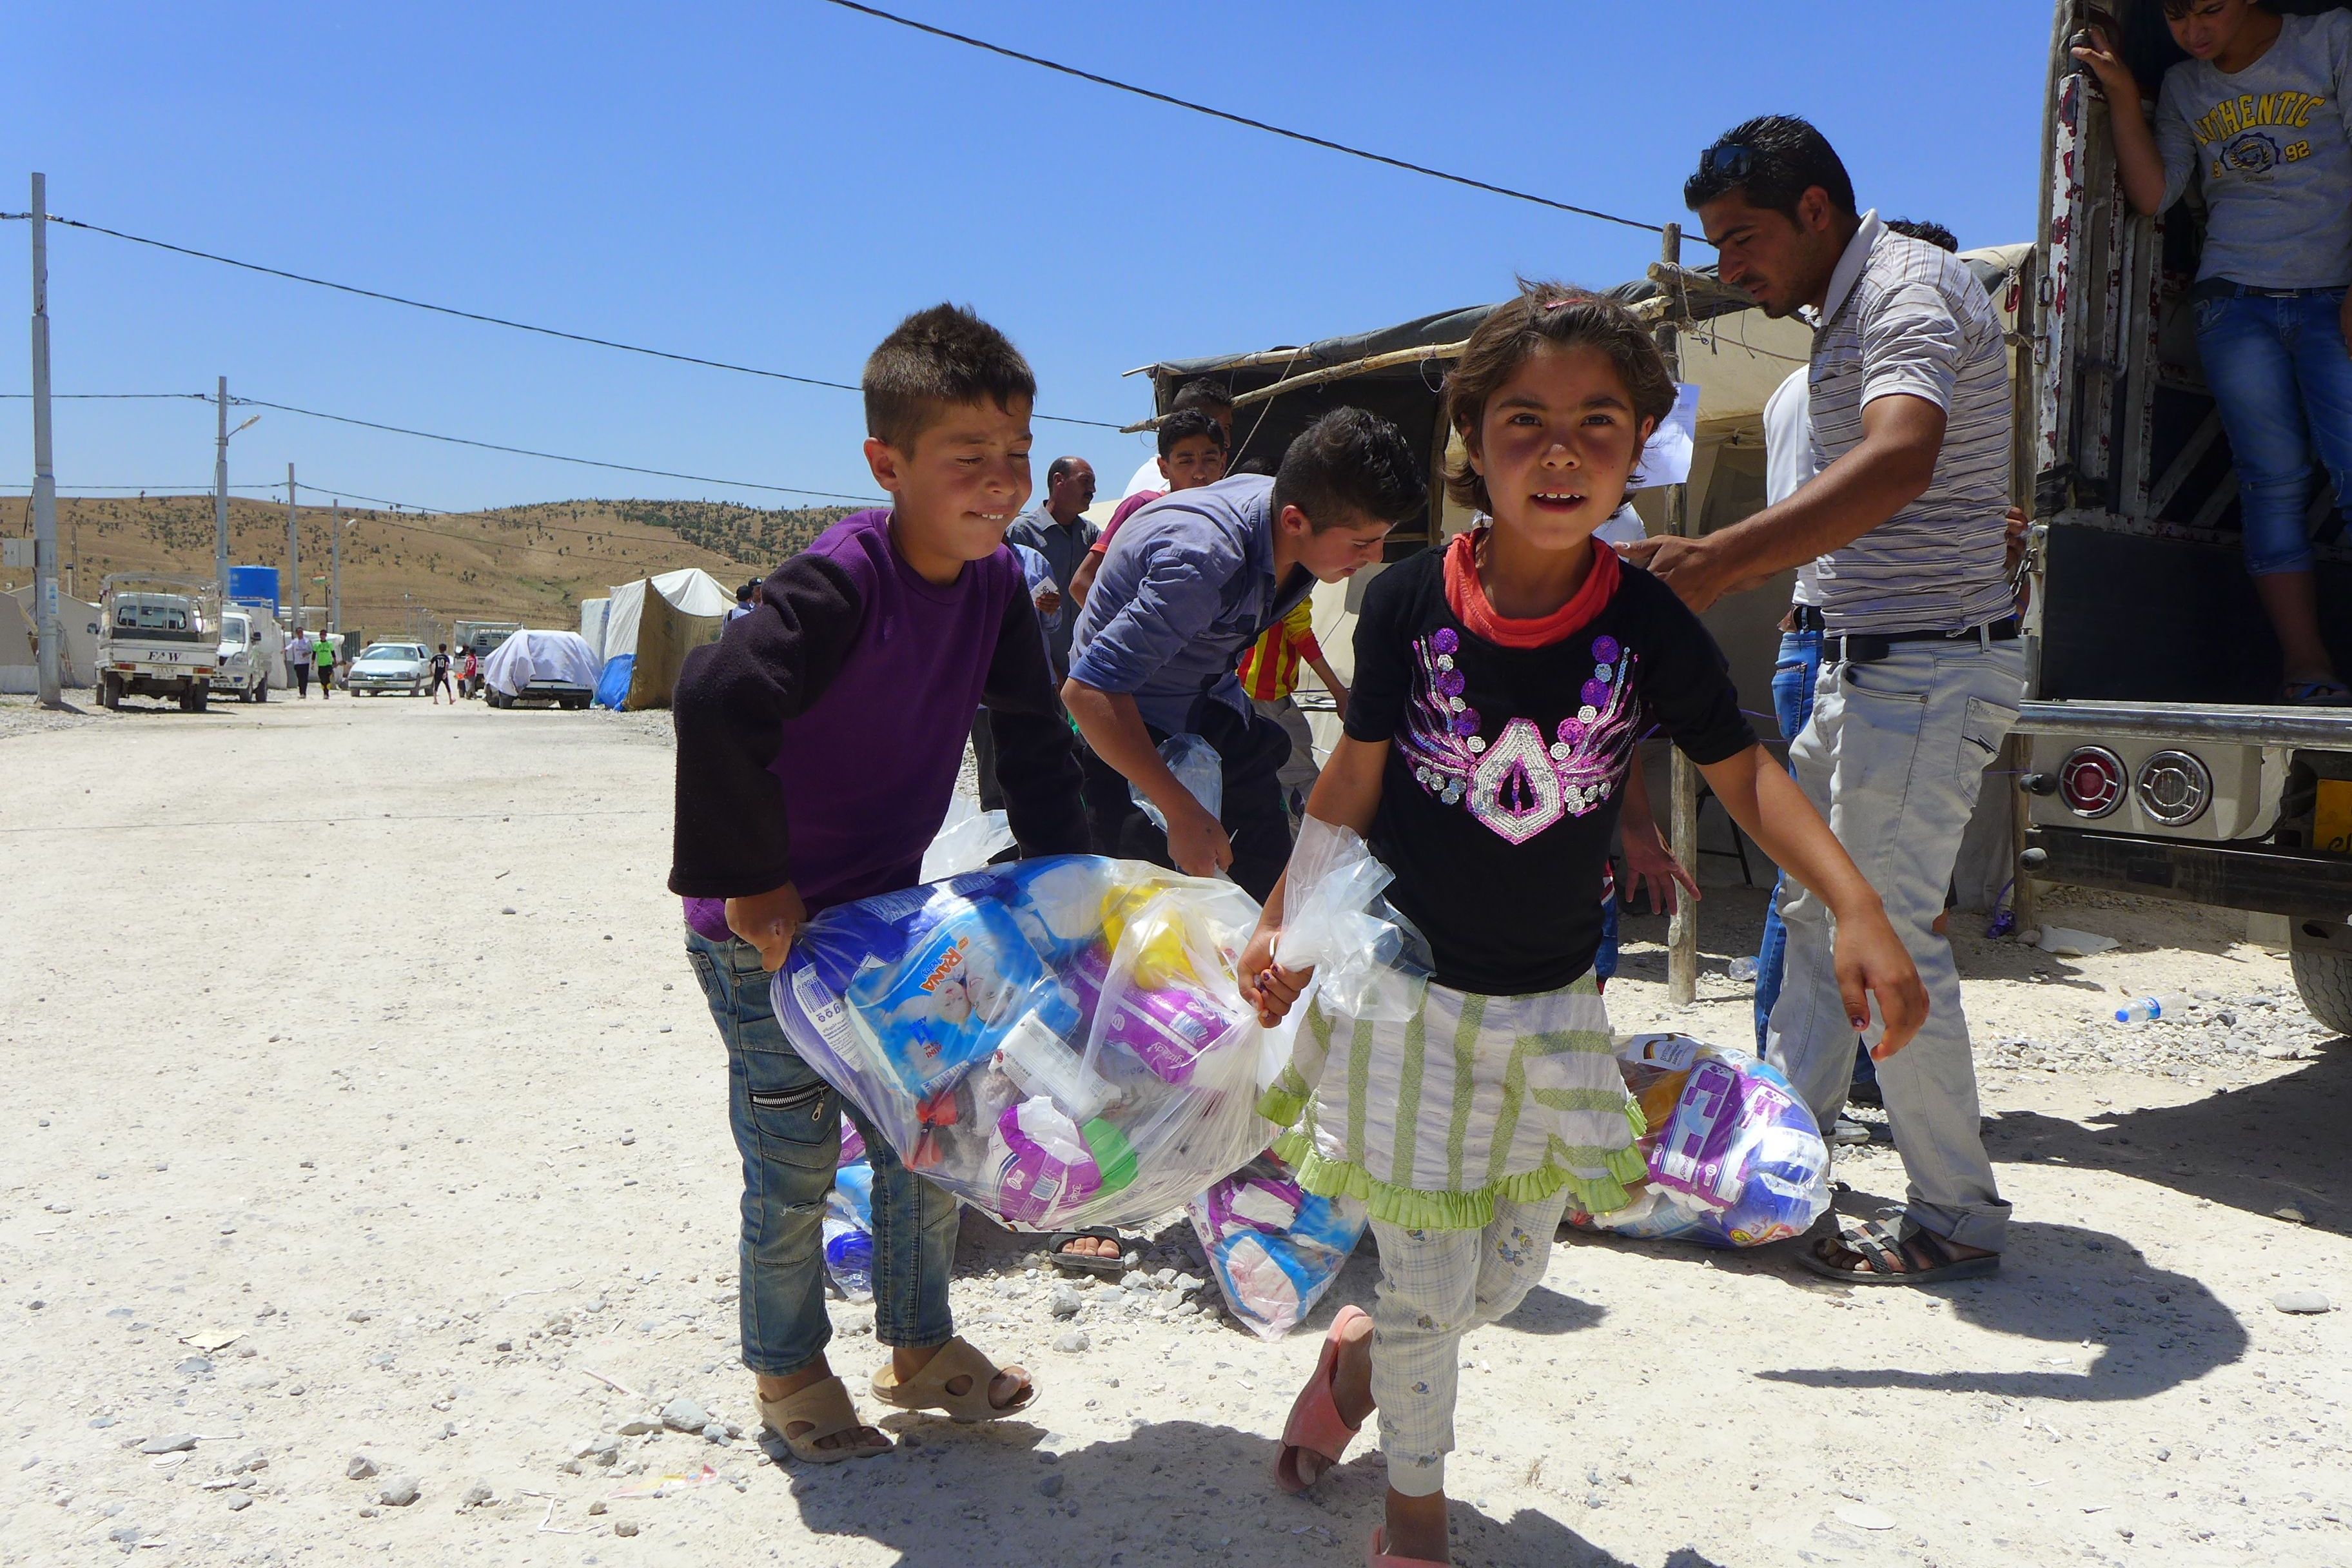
x,y
323,650
2256,118
818,744
1500,685
440,667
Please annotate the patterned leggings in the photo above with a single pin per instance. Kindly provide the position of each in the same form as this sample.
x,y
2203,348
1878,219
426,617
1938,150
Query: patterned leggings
x,y
1437,1286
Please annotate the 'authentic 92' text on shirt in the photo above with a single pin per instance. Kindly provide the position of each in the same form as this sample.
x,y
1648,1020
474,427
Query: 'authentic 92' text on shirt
x,y
1904,316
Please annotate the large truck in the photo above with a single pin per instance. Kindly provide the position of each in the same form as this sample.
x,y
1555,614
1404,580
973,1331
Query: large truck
x,y
157,636
2163,760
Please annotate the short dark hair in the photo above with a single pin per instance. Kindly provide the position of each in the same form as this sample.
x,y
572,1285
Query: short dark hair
x,y
1200,393
1186,423
1774,158
744,592
1547,316
1935,234
1349,462
934,360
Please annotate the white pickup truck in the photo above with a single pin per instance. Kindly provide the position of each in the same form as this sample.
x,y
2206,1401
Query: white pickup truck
x,y
157,636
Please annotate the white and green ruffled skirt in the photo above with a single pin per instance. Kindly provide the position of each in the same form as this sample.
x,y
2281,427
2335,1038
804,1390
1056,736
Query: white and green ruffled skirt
x,y
1430,1120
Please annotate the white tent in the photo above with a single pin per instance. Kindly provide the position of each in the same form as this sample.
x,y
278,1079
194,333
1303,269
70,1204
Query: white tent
x,y
647,633
591,623
78,623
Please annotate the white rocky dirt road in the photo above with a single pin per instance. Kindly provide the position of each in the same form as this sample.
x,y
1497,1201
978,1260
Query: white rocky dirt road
x,y
362,1115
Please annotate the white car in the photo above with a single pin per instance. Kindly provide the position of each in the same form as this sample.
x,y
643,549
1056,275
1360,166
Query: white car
x,y
389,667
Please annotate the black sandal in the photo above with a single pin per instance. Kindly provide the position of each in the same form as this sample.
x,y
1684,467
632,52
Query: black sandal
x,y
1086,1262
1885,1262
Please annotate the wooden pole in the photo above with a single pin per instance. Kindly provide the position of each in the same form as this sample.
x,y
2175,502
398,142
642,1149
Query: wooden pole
x,y
1682,837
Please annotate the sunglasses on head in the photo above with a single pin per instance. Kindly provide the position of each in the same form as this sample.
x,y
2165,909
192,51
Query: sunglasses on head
x,y
1728,159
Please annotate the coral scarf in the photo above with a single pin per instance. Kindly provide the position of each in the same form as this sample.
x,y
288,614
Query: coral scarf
x,y
1466,597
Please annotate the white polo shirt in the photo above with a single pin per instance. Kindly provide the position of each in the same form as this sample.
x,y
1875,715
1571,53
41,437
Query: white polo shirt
x,y
1788,462
1904,316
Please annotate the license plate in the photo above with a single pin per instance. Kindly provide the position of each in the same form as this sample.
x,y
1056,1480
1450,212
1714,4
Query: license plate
x,y
2332,828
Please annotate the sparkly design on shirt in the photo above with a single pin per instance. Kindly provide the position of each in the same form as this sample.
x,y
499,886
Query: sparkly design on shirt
x,y
1517,784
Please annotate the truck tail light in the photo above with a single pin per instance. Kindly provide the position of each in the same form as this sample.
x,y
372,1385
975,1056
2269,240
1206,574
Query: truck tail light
x,y
2092,782
2175,788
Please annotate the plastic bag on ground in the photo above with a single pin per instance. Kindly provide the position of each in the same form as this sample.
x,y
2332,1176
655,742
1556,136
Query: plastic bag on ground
x,y
1274,1246
969,840
1735,1158
1060,1042
1197,767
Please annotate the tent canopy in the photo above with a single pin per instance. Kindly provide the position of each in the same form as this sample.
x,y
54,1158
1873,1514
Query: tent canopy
x,y
78,625
649,626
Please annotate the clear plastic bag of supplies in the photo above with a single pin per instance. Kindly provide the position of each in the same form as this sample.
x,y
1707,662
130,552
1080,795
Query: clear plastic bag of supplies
x,y
1197,767
1733,1156
1274,1246
1060,1042
849,1231
969,840
1368,961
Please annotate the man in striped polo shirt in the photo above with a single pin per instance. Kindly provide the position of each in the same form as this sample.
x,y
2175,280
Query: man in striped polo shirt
x,y
1922,673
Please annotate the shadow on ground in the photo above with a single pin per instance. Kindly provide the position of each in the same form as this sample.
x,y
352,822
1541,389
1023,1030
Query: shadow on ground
x,y
2122,1328
980,1496
2259,1148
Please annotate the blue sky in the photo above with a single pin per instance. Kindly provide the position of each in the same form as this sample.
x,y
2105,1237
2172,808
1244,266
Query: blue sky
x,y
776,184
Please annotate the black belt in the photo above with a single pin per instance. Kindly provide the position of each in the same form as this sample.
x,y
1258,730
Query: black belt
x,y
1807,618
2231,289
1869,648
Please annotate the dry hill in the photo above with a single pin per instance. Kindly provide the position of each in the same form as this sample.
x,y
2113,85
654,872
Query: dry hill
x,y
531,563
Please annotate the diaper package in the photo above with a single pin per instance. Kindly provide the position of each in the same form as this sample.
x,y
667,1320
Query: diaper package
x,y
1274,1246
1060,1042
1735,1158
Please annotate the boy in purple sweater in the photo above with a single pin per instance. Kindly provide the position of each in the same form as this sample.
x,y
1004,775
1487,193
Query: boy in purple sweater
x,y
818,743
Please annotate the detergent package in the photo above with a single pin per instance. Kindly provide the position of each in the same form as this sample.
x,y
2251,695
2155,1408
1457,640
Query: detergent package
x,y
1060,1042
1274,1246
849,1231
1735,1158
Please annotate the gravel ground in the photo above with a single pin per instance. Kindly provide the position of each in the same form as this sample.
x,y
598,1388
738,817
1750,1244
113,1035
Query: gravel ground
x,y
373,1201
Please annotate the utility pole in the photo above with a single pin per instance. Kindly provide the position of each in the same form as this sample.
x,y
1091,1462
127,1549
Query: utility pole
x,y
1682,930
45,475
335,583
293,545
220,494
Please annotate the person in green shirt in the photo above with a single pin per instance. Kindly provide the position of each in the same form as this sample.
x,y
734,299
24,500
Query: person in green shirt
x,y
325,654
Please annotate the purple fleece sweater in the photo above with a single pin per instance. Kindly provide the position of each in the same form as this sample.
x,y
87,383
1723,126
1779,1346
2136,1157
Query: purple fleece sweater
x,y
820,738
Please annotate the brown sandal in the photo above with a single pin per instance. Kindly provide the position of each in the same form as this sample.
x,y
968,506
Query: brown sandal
x,y
928,1389
826,1409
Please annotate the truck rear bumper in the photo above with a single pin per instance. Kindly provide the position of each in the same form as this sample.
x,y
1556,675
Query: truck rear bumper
x,y
2238,877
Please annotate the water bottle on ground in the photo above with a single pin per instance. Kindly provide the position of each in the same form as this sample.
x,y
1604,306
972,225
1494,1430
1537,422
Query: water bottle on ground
x,y
2168,1007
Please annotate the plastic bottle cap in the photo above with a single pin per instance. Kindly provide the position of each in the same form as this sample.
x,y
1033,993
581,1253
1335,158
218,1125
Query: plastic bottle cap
x,y
1114,1155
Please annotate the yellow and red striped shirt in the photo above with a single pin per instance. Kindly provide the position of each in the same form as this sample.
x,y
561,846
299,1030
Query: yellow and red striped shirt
x,y
1270,668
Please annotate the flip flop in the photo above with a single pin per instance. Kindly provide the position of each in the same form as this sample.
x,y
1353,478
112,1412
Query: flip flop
x,y
928,1389
2318,694
1315,1424
827,1408
1085,1263
1377,1554
1883,1263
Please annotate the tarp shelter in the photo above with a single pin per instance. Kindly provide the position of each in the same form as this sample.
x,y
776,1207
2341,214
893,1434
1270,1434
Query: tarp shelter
x,y
529,655
650,627
78,623
592,623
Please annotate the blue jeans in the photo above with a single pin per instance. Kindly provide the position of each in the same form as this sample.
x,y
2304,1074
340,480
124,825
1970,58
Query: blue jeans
x,y
1795,675
2282,382
787,1123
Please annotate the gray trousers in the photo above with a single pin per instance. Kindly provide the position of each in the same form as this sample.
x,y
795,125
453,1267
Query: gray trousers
x,y
1299,773
1894,757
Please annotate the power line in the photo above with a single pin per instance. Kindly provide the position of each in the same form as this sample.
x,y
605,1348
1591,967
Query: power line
x,y
550,457
1241,119
497,320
